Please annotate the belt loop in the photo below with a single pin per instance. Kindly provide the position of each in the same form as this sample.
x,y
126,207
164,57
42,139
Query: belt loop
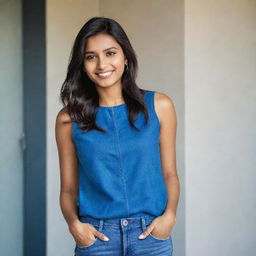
x,y
143,223
101,225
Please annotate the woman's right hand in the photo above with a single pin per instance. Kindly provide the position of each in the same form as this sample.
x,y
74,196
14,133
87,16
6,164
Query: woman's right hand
x,y
85,233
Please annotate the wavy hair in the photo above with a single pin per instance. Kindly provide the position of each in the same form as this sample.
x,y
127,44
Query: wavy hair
x,y
78,93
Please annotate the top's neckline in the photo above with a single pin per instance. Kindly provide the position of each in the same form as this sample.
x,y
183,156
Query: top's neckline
x,y
115,106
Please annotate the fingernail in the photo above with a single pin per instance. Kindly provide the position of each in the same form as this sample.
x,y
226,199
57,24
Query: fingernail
x,y
106,238
141,236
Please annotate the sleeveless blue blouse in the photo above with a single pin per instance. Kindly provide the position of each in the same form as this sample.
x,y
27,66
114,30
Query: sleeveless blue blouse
x,y
120,171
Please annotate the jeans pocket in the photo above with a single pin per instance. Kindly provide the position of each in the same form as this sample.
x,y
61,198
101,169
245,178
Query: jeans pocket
x,y
158,238
86,246
92,243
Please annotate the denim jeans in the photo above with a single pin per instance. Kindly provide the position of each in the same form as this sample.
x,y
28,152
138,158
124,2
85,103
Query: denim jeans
x,y
123,238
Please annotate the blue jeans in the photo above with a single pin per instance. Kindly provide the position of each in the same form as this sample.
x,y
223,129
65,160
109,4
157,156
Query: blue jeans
x,y
123,238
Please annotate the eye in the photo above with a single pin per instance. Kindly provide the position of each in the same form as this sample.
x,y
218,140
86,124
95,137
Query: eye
x,y
112,52
88,57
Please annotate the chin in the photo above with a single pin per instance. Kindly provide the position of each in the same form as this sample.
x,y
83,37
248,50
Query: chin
x,y
103,84
107,83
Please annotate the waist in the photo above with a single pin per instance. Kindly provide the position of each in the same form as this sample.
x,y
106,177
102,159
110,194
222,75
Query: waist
x,y
117,222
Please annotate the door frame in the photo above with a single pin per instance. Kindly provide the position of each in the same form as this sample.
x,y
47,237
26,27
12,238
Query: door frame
x,y
34,126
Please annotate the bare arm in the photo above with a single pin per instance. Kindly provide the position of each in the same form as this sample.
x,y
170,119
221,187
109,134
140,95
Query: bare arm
x,y
68,168
167,117
83,233
162,226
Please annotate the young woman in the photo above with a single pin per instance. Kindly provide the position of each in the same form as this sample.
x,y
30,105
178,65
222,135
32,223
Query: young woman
x,y
116,145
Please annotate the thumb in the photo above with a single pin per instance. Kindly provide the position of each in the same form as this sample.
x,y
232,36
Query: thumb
x,y
100,235
146,232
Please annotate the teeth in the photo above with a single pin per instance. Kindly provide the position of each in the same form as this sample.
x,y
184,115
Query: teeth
x,y
105,74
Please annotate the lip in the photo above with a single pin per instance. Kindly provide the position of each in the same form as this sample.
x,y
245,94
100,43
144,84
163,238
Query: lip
x,y
105,77
104,72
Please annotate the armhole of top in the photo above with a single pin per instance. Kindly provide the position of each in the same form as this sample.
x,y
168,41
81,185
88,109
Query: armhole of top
x,y
153,107
73,132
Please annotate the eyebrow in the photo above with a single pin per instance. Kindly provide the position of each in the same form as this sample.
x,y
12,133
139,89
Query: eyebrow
x,y
103,50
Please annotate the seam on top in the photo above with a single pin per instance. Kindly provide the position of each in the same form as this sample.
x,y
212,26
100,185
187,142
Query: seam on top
x,y
121,168
153,108
72,132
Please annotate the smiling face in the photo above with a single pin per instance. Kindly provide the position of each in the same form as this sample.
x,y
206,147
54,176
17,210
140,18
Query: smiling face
x,y
104,60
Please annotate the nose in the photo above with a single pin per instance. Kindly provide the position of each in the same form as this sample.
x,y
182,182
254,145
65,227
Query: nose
x,y
102,62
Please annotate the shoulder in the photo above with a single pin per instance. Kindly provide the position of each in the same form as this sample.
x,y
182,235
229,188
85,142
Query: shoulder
x,y
63,124
63,128
162,100
164,106
62,116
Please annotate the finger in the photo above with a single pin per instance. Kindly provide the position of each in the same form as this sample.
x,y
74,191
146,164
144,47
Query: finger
x,y
101,235
146,232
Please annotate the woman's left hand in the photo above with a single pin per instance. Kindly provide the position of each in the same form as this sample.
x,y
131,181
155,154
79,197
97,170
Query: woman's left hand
x,y
161,226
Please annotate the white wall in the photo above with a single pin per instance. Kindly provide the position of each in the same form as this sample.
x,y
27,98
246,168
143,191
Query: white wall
x,y
220,94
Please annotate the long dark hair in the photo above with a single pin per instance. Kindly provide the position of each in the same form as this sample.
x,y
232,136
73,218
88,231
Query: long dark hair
x,y
78,93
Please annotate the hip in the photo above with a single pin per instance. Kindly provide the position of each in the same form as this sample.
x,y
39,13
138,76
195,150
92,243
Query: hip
x,y
123,240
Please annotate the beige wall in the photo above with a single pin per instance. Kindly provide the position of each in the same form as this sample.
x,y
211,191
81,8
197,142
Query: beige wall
x,y
220,96
64,20
155,29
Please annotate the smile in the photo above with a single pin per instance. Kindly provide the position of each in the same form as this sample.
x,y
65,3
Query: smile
x,y
104,75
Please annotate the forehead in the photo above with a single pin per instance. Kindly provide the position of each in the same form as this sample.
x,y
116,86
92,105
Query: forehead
x,y
100,42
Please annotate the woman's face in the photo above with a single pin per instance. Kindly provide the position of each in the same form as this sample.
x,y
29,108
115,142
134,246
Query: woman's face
x,y
104,60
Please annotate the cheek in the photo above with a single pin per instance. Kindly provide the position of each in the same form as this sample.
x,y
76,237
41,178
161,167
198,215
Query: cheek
x,y
119,63
89,68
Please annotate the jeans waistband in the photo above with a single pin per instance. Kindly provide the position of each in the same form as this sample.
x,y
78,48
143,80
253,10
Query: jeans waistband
x,y
116,222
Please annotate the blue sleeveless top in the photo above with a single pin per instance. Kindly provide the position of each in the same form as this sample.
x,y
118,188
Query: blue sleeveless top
x,y
120,171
